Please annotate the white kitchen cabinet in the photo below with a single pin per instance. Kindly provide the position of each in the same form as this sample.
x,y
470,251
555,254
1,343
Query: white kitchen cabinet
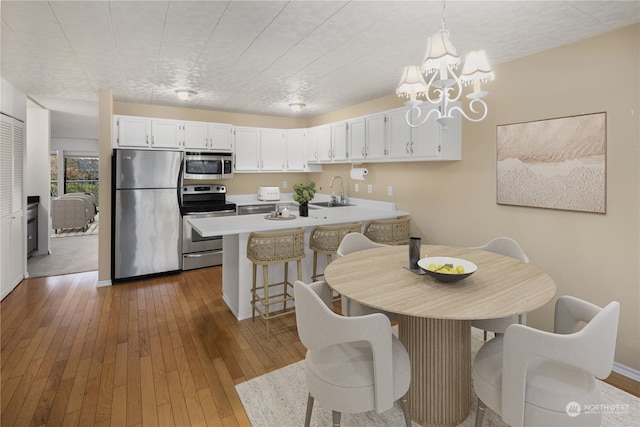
x,y
130,131
376,130
312,144
207,136
12,204
367,137
272,151
357,135
405,142
295,149
339,138
166,134
247,145
196,135
324,144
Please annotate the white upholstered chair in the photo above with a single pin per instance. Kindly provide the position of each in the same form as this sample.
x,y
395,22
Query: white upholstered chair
x,y
354,242
537,378
353,364
509,247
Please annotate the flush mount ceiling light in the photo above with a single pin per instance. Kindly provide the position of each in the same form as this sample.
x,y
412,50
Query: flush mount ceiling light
x,y
186,95
440,60
296,107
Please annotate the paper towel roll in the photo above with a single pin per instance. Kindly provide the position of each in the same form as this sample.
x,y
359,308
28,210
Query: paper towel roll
x,y
359,173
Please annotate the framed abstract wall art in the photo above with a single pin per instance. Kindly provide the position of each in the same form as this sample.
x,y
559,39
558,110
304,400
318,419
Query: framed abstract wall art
x,y
557,163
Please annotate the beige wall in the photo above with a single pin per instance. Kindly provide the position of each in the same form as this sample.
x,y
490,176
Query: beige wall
x,y
591,256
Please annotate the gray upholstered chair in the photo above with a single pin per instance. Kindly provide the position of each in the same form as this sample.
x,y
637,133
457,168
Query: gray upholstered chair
x,y
354,242
509,247
353,364
537,378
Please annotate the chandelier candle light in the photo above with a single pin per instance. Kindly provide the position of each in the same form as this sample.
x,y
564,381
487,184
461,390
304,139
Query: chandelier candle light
x,y
440,60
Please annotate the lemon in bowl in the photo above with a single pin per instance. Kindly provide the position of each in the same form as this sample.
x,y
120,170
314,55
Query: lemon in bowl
x,y
447,269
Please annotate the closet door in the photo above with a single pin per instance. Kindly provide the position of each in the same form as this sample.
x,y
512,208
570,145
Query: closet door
x,y
12,204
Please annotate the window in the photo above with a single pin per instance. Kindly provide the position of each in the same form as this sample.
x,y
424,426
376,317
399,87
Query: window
x,y
81,175
54,175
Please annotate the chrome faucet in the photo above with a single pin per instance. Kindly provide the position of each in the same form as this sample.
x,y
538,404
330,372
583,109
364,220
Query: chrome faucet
x,y
342,199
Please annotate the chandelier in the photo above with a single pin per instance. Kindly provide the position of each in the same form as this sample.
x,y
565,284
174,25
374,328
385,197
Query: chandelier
x,y
440,61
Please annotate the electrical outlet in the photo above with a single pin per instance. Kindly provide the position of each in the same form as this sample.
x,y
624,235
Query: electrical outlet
x,y
369,188
389,191
356,188
284,184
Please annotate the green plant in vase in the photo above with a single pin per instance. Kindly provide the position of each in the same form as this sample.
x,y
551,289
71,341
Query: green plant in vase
x,y
303,194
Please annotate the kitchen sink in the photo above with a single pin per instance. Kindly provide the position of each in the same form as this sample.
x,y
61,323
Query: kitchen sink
x,y
330,204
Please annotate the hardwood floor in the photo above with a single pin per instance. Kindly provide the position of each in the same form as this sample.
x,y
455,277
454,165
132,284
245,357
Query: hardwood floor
x,y
159,351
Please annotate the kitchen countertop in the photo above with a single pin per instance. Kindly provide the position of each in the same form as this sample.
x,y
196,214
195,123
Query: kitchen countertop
x,y
363,210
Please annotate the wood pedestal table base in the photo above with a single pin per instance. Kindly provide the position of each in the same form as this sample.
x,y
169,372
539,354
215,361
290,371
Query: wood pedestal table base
x,y
440,354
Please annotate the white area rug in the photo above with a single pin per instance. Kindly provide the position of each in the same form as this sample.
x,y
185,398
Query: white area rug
x,y
279,399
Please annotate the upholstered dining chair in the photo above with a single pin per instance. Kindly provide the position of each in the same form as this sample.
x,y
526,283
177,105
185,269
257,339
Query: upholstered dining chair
x,y
537,378
353,364
354,242
509,247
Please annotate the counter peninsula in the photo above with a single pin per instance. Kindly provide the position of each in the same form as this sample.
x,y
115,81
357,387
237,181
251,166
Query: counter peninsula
x,y
236,268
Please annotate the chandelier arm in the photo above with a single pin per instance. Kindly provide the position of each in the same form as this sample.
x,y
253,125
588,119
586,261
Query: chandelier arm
x,y
458,84
417,116
436,90
472,109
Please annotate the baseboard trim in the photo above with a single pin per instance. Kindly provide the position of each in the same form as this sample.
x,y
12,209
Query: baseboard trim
x,y
628,372
102,283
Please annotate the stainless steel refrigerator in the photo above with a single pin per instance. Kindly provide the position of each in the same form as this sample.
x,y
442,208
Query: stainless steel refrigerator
x,y
147,224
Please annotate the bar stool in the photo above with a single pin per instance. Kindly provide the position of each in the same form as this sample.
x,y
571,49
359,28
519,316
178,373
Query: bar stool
x,y
267,249
325,239
389,231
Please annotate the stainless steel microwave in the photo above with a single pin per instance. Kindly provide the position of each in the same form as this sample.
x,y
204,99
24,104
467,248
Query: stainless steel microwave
x,y
207,165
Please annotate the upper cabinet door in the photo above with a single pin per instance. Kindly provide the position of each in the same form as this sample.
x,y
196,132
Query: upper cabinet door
x,y
271,150
426,138
132,131
312,144
325,148
357,139
247,143
195,135
296,150
166,134
340,150
376,135
398,134
220,137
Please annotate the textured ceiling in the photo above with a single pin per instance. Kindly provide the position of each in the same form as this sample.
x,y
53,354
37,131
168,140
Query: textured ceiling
x,y
259,56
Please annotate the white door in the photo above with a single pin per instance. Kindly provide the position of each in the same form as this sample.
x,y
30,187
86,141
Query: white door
x,y
398,134
132,131
247,148
166,134
295,146
195,135
376,136
220,137
357,139
271,150
339,141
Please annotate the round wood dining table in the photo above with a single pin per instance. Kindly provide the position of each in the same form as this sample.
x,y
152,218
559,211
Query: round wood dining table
x,y
434,318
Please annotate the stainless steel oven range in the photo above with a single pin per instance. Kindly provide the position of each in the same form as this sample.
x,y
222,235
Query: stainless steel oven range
x,y
202,201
